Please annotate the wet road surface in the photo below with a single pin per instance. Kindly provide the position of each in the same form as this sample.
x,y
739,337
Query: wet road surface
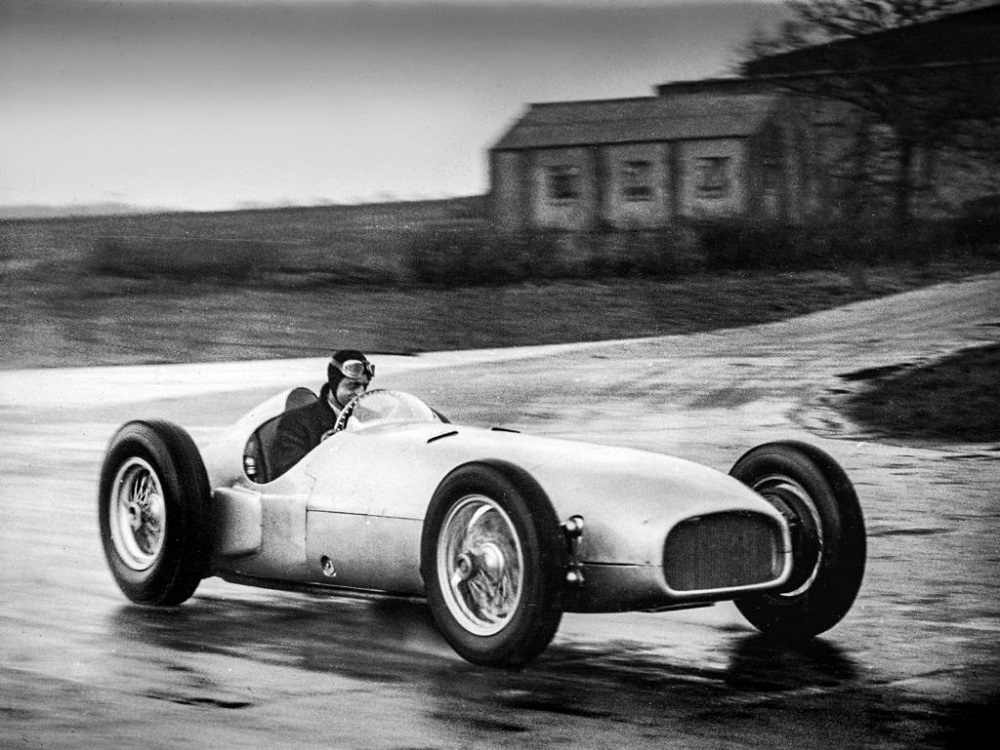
x,y
916,663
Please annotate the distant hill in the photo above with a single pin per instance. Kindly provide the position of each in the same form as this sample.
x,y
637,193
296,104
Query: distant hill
x,y
461,206
37,211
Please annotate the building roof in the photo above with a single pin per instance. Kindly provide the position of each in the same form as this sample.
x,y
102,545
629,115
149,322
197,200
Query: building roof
x,y
971,37
730,85
646,119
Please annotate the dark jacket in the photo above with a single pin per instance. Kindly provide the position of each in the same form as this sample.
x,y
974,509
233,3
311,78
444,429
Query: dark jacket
x,y
300,430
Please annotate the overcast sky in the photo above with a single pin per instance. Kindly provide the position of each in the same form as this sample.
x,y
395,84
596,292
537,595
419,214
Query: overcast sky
x,y
210,104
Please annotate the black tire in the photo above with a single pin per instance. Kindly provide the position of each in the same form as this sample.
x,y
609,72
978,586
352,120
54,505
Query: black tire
x,y
153,511
494,561
828,538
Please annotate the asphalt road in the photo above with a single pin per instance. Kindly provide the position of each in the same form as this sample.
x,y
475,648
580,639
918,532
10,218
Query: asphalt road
x,y
916,663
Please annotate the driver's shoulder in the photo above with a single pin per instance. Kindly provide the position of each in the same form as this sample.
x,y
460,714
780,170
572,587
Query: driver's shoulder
x,y
305,413
299,397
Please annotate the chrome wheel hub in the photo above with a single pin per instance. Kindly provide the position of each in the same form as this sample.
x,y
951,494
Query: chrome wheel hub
x,y
480,565
799,509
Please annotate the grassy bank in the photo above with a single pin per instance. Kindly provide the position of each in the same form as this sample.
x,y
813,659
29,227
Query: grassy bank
x,y
953,399
89,320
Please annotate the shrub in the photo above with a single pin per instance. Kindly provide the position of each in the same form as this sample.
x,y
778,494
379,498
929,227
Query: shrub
x,y
736,244
742,244
660,253
919,242
537,255
978,226
197,259
451,256
456,252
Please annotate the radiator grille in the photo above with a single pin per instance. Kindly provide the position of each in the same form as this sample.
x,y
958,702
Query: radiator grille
x,y
722,550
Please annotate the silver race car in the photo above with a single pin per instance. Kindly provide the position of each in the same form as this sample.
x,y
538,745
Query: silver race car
x,y
500,531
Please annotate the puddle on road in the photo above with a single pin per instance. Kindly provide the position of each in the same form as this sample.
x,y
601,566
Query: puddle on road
x,y
907,532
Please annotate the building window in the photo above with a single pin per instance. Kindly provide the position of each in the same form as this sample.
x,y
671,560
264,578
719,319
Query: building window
x,y
563,183
714,174
637,181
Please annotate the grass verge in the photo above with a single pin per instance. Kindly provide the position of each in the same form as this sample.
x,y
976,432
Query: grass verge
x,y
954,399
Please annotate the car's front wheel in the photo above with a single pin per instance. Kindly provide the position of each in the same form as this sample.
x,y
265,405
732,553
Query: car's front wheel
x,y
819,502
153,512
493,563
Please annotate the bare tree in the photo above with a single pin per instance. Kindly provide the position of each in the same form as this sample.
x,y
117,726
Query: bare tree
x,y
921,86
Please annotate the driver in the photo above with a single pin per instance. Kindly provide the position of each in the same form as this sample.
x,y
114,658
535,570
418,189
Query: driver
x,y
348,374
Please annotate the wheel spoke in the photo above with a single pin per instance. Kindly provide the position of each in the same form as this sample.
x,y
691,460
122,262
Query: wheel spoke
x,y
141,493
475,518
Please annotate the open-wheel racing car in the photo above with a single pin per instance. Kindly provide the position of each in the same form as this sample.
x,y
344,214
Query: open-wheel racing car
x,y
501,532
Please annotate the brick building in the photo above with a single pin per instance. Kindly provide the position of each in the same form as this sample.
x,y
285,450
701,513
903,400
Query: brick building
x,y
761,145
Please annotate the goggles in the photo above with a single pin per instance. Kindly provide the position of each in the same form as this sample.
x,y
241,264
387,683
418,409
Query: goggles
x,y
355,369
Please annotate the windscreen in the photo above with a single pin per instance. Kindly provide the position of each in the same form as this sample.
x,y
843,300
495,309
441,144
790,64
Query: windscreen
x,y
383,406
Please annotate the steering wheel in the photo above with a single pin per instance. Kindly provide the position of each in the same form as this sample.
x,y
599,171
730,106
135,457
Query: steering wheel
x,y
345,413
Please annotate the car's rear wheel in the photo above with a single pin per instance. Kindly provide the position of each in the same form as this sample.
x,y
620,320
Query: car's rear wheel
x,y
153,512
493,562
818,500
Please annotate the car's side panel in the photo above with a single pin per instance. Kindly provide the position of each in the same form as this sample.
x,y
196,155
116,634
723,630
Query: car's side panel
x,y
238,522
616,588
282,550
365,552
380,471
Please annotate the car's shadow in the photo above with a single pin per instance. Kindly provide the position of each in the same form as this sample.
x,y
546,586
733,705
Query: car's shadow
x,y
761,663
370,639
388,640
